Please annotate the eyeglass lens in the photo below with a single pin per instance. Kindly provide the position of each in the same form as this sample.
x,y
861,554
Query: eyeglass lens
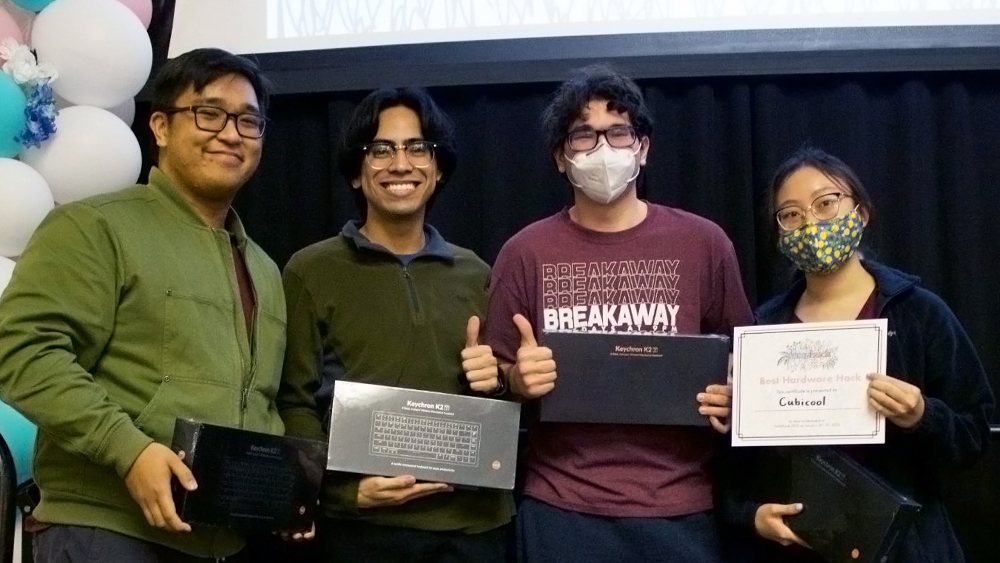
x,y
823,208
619,137
418,153
215,120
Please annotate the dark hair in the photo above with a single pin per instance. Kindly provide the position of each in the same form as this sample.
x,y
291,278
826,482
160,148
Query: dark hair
x,y
363,124
831,167
201,67
596,82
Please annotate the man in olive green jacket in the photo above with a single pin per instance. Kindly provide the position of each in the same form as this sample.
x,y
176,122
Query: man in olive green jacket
x,y
130,310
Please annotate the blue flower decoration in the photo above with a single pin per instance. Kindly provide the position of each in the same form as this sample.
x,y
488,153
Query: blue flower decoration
x,y
41,113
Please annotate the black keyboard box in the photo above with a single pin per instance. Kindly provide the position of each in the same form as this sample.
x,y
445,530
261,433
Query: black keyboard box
x,y
247,480
612,378
849,514
439,437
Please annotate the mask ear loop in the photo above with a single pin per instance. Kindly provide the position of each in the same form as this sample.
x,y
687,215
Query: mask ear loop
x,y
864,222
638,167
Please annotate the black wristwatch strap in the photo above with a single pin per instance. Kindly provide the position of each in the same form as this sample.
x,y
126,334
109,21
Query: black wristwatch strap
x,y
501,383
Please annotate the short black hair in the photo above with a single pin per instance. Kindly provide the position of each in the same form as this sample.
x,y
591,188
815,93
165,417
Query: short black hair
x,y
595,82
363,124
201,67
809,156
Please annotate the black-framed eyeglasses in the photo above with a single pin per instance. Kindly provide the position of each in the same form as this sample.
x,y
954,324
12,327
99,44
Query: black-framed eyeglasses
x,y
214,119
380,154
585,138
823,208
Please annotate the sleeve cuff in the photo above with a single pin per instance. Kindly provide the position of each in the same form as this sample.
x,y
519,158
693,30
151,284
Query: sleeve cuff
x,y
122,446
932,418
341,492
303,423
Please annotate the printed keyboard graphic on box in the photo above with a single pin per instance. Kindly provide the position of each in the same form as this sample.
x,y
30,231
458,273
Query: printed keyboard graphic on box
x,y
249,486
430,439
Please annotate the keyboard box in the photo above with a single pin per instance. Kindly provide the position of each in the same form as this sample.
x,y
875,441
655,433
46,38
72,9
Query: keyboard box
x,y
247,480
632,378
437,437
849,514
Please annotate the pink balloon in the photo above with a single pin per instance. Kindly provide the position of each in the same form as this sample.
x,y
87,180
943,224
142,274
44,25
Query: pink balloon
x,y
141,8
9,27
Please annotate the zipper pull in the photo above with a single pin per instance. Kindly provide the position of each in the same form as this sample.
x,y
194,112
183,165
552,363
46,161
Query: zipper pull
x,y
246,399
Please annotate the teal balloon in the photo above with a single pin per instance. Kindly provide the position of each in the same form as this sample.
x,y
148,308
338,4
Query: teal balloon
x,y
12,118
33,5
19,434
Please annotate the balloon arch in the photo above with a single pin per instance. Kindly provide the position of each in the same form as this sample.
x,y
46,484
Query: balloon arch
x,y
70,73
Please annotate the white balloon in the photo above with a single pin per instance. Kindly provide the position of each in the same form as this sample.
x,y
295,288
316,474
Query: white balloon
x,y
92,152
6,270
61,102
99,47
25,199
125,110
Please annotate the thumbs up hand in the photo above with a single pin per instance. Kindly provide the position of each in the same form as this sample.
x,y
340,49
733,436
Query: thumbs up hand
x,y
534,374
478,361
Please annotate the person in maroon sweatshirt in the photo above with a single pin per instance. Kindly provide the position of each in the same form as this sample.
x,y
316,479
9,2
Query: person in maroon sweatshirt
x,y
601,492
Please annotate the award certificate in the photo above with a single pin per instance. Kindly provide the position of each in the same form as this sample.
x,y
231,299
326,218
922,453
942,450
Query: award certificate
x,y
806,384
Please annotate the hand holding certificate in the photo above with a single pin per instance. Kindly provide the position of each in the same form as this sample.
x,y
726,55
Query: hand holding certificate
x,y
901,402
807,383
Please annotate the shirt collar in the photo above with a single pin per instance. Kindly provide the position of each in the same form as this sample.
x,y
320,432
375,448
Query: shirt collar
x,y
161,184
434,244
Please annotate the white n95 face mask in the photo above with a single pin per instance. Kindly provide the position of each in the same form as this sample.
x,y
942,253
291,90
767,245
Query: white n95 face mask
x,y
603,173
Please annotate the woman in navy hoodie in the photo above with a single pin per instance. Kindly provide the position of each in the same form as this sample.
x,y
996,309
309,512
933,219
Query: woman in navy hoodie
x,y
934,394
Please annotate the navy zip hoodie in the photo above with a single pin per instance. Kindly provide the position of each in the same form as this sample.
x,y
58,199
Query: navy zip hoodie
x,y
927,347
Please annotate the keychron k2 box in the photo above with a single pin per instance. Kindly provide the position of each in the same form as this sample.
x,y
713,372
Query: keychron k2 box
x,y
439,437
247,480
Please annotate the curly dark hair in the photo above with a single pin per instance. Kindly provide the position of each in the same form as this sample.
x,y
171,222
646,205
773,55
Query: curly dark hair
x,y
596,82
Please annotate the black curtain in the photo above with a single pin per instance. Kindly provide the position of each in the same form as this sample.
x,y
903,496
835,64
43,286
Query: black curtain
x,y
926,145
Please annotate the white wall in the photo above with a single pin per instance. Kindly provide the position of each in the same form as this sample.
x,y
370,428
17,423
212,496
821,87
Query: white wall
x,y
262,26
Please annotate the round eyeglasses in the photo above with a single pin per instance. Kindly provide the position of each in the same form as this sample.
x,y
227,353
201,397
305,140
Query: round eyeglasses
x,y
380,154
585,138
214,120
823,208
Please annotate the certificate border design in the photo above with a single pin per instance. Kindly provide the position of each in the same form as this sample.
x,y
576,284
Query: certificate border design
x,y
824,439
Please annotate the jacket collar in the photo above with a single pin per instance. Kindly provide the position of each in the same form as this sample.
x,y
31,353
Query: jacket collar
x,y
889,282
164,188
434,244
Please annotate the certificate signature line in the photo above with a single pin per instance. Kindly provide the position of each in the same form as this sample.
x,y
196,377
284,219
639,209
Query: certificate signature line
x,y
786,409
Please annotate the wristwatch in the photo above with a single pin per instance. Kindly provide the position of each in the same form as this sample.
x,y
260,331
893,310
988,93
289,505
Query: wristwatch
x,y
501,387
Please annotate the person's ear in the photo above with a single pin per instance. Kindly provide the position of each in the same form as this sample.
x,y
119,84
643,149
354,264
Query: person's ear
x,y
159,123
356,183
560,159
643,150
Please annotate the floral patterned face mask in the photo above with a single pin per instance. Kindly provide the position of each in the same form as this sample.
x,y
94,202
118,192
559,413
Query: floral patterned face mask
x,y
824,246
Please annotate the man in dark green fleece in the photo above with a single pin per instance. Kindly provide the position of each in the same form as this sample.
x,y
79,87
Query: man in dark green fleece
x,y
389,302
129,310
